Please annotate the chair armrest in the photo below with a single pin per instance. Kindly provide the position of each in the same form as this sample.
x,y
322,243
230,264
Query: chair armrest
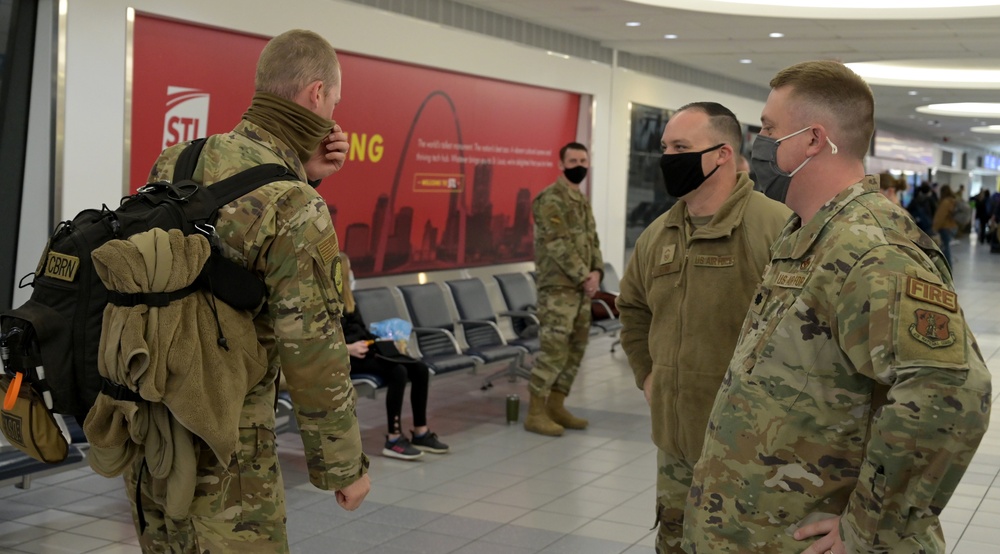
x,y
520,315
435,330
599,302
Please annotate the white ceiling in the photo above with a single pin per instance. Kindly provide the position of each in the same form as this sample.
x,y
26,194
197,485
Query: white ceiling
x,y
715,43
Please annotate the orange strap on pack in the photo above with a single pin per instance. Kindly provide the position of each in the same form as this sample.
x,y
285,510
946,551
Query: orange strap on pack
x,y
11,397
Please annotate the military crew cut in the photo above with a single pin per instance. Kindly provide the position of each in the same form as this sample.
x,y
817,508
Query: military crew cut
x,y
571,146
723,121
831,88
292,60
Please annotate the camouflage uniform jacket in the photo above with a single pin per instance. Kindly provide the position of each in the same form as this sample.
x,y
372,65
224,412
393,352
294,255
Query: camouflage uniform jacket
x,y
700,283
566,245
856,389
283,232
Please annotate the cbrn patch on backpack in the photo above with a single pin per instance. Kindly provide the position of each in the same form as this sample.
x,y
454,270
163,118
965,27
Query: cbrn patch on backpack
x,y
62,266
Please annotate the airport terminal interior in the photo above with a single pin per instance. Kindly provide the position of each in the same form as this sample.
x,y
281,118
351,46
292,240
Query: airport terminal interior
x,y
516,79
501,490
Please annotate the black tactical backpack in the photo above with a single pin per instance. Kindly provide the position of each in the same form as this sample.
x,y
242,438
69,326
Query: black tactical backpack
x,y
53,338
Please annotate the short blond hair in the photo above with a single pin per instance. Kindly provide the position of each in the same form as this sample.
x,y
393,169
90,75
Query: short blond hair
x,y
830,87
292,60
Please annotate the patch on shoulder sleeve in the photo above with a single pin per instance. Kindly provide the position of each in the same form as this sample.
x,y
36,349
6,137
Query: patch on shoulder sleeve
x,y
930,326
338,275
931,294
328,249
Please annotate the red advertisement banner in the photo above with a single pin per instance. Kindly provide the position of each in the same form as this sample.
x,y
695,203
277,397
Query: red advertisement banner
x,y
442,166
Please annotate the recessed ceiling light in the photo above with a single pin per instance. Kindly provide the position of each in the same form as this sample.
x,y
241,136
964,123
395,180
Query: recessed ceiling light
x,y
776,35
746,60
633,24
670,37
924,74
912,93
839,9
963,109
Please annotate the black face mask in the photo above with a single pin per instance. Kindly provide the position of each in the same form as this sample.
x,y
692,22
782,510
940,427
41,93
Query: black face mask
x,y
682,173
575,175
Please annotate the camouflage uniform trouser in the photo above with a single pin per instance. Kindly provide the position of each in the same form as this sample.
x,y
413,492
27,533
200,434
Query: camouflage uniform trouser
x,y
236,508
564,328
673,479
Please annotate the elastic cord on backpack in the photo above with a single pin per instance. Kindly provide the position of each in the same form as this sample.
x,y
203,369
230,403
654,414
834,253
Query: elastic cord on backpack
x,y
215,312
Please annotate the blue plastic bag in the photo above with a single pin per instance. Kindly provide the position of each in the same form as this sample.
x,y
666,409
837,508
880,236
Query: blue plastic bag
x,y
394,329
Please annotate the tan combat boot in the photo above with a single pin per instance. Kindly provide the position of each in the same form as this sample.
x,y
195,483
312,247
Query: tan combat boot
x,y
559,414
538,420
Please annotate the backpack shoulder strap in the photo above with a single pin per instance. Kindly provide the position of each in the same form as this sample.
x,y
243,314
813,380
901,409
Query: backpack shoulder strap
x,y
188,160
246,181
205,206
218,194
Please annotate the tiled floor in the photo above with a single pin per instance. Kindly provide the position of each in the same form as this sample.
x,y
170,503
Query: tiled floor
x,y
500,490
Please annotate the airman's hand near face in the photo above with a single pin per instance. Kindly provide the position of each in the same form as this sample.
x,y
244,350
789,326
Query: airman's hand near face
x,y
329,157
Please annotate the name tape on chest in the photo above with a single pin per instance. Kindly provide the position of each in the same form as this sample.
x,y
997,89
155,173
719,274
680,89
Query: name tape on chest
x,y
61,266
791,280
704,260
931,294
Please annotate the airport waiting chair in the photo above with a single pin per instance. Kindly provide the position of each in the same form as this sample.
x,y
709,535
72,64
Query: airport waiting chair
x,y
611,284
480,329
378,304
435,327
521,297
522,302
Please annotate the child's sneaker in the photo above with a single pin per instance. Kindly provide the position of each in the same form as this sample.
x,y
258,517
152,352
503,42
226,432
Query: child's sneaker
x,y
428,442
401,449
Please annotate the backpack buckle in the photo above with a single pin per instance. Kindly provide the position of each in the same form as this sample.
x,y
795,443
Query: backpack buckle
x,y
119,392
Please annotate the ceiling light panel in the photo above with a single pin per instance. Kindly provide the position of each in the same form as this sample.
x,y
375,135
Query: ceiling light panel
x,y
839,9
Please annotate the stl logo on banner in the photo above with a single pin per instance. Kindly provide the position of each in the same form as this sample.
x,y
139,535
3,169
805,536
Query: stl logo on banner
x,y
187,115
